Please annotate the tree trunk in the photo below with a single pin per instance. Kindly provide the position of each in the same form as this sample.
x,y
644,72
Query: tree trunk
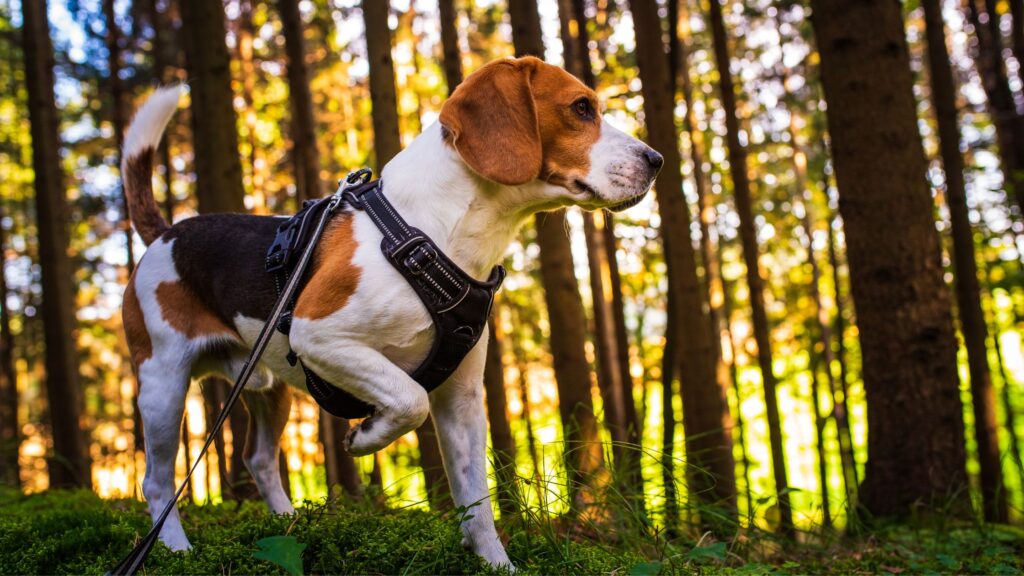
x,y
711,469
247,64
907,339
968,291
803,196
841,394
1008,123
387,143
1017,31
218,167
339,466
68,465
610,341
10,430
524,394
565,308
305,154
118,115
755,281
820,420
452,56
734,375
502,442
679,59
1006,396
583,451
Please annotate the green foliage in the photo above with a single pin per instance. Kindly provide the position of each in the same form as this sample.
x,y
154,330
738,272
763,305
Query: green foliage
x,y
76,532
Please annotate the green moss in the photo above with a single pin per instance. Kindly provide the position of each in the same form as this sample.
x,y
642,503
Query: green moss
x,y
78,533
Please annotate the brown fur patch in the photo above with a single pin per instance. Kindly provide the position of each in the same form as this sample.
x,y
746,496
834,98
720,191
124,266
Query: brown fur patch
x,y
334,278
513,121
137,176
139,343
186,313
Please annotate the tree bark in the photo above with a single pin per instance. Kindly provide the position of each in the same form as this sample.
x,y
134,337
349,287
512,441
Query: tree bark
x,y
583,450
118,116
1008,123
841,394
218,167
968,290
502,441
907,339
711,469
387,143
610,341
339,466
10,429
452,56
305,154
245,34
1006,396
68,465
566,316
751,257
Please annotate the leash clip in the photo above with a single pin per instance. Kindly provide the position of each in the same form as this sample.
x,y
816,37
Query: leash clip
x,y
354,178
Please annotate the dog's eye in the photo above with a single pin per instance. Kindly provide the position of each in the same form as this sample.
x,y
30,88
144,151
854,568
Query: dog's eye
x,y
583,109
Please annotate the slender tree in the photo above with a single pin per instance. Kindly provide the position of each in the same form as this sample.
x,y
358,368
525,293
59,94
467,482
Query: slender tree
x,y
305,155
245,36
1008,123
755,281
840,393
68,465
968,290
118,114
452,56
387,143
218,174
502,442
567,320
610,340
711,469
10,429
907,339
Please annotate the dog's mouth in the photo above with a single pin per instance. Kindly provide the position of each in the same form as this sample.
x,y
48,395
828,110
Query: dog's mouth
x,y
585,188
628,203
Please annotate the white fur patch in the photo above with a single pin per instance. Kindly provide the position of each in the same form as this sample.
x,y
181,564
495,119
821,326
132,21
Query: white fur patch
x,y
148,126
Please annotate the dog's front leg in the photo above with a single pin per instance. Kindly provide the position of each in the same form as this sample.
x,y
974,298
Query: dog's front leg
x,y
458,411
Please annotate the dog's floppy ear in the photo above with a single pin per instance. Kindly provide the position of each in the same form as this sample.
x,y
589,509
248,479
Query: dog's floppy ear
x,y
492,121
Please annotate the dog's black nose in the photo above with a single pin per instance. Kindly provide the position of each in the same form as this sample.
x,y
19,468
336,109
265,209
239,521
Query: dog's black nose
x,y
654,159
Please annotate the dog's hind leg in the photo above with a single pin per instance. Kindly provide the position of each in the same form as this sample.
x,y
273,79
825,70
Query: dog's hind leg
x,y
268,415
163,384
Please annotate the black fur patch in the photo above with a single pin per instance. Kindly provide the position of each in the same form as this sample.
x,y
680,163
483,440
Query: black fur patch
x,y
221,257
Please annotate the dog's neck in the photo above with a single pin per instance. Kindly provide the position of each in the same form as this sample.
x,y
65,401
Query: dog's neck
x,y
471,219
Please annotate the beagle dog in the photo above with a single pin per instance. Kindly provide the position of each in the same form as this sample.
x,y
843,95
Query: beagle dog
x,y
517,137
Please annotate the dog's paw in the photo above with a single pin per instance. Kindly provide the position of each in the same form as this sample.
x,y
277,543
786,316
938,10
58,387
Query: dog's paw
x,y
358,442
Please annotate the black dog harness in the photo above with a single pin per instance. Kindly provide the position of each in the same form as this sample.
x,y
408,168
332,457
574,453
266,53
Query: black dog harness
x,y
458,304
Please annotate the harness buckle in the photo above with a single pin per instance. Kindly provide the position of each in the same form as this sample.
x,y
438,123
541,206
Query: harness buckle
x,y
419,258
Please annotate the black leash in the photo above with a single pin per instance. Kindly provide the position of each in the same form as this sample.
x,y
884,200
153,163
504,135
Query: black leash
x,y
134,560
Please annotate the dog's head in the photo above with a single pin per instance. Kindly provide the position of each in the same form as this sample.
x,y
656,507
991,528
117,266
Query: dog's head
x,y
518,121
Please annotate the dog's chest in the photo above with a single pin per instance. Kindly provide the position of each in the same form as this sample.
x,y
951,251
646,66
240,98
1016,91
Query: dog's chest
x,y
381,312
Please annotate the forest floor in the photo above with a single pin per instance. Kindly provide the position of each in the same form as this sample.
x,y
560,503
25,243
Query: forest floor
x,y
62,532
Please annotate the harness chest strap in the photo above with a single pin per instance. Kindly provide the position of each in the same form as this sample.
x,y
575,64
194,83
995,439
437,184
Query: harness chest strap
x,y
459,304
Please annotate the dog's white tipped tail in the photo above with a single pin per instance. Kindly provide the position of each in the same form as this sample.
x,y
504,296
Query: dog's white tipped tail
x,y
140,142
148,126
